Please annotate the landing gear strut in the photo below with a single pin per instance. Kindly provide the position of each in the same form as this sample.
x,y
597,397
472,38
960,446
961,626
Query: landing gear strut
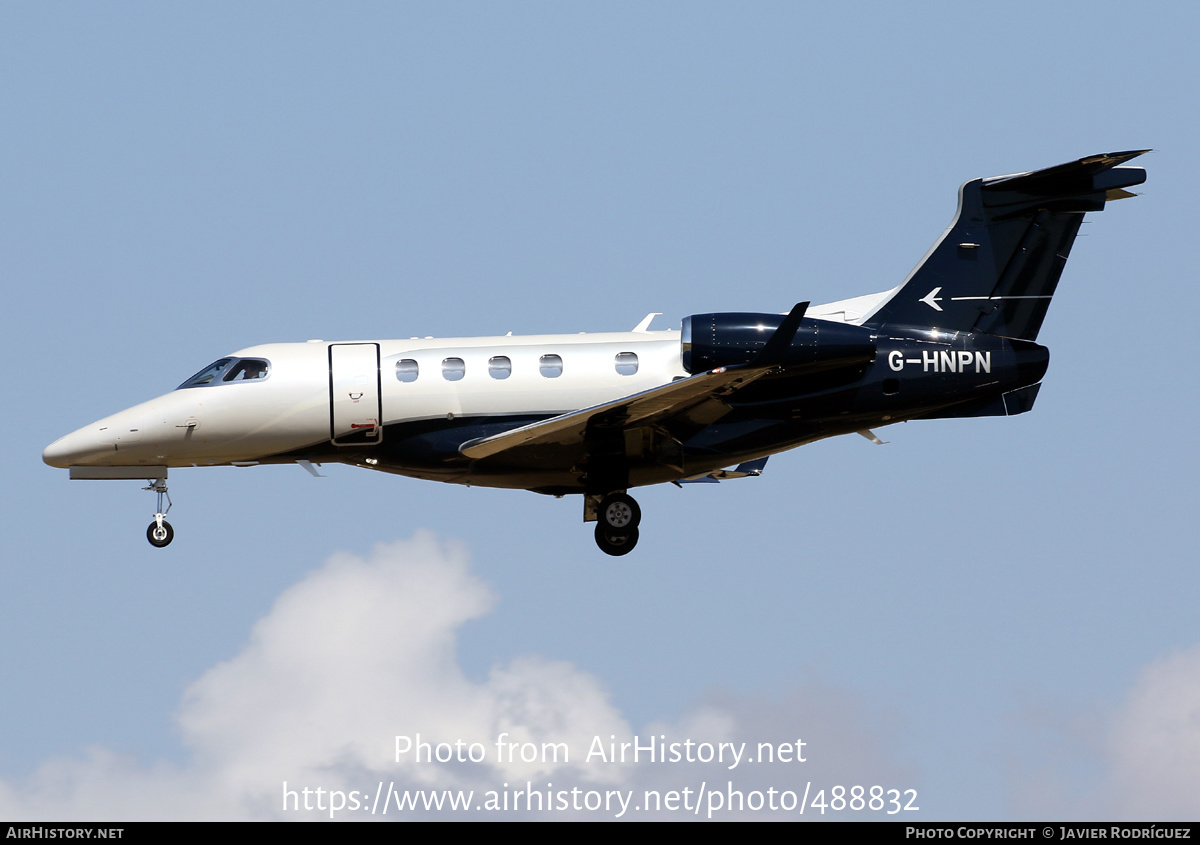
x,y
160,533
617,519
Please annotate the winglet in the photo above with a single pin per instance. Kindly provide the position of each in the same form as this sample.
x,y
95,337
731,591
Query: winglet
x,y
779,342
644,325
746,469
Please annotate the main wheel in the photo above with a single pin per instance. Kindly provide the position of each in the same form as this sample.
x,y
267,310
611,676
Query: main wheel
x,y
160,536
616,544
619,513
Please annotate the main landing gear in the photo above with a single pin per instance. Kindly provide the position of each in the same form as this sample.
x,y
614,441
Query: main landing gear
x,y
160,533
617,519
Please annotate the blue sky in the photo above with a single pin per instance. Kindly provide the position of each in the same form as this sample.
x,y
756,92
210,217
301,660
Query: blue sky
x,y
997,613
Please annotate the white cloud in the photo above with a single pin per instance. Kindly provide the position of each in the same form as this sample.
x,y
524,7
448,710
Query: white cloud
x,y
1139,762
363,650
1154,743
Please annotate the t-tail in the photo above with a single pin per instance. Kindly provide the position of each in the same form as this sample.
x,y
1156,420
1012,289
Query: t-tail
x,y
996,267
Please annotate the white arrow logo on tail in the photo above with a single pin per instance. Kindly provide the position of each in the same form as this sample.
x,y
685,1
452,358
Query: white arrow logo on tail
x,y
932,299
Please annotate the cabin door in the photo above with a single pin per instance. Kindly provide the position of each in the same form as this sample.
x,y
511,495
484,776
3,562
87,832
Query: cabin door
x,y
355,408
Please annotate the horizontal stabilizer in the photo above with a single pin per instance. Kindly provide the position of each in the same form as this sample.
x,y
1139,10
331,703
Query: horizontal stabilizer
x,y
1090,173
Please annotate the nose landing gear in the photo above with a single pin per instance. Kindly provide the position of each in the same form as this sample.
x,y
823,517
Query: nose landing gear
x,y
617,518
160,533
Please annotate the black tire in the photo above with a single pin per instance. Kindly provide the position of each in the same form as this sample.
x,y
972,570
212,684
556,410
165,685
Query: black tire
x,y
616,544
619,513
160,538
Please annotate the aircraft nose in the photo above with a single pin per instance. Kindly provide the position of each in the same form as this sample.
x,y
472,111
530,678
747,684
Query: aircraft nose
x,y
56,454
76,448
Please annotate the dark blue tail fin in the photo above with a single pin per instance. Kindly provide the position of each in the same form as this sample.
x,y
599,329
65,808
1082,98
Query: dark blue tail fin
x,y
996,267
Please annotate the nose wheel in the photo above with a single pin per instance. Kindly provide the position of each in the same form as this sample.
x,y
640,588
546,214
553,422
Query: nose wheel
x,y
160,533
617,520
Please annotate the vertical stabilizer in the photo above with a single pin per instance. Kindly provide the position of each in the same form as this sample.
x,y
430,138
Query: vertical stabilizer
x,y
996,267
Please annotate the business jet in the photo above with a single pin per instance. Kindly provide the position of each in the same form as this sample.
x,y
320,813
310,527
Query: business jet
x,y
599,414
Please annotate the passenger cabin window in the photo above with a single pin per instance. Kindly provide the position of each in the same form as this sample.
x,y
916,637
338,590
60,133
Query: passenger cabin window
x,y
453,369
247,369
550,366
406,370
499,366
626,363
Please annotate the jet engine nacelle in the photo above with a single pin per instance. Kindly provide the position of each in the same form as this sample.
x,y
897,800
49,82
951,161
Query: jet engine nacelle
x,y
725,340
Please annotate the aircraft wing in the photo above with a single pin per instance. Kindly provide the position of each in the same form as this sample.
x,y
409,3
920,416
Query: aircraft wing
x,y
696,400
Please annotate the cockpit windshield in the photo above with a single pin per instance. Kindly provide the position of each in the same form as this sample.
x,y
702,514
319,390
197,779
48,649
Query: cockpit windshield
x,y
246,369
229,369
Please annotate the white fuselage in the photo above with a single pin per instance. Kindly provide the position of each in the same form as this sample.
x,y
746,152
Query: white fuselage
x,y
320,394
